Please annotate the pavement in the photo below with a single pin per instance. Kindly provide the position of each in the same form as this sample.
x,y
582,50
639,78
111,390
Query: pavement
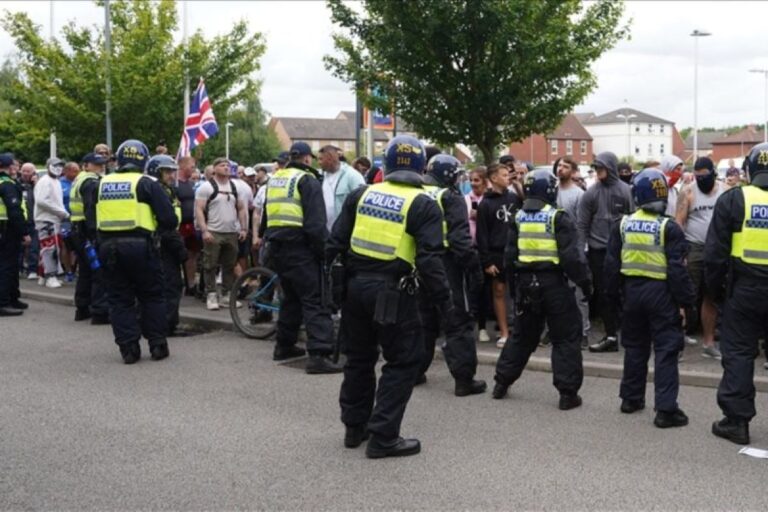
x,y
695,370
219,426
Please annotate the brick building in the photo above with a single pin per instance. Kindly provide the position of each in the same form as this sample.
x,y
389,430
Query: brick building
x,y
736,145
568,139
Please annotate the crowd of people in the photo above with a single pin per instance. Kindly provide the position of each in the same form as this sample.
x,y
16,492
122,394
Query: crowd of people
x,y
429,251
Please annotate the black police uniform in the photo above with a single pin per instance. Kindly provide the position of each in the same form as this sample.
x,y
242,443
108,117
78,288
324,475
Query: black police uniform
x,y
744,287
401,342
90,295
542,294
173,254
296,254
12,231
131,266
462,268
651,315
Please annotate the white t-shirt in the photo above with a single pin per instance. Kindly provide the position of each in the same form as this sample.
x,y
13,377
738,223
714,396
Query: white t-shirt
x,y
329,196
260,198
222,212
244,195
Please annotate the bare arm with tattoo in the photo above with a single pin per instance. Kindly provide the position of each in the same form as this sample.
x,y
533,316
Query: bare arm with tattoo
x,y
683,203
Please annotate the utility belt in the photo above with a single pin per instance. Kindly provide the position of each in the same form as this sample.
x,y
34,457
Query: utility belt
x,y
388,298
529,288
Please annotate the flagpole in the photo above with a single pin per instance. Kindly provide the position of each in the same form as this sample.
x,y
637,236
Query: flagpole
x,y
186,58
108,51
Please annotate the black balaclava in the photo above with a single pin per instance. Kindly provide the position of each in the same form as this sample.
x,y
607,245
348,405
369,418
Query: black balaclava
x,y
705,182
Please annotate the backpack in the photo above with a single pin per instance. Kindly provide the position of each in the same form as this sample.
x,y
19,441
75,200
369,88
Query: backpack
x,y
216,193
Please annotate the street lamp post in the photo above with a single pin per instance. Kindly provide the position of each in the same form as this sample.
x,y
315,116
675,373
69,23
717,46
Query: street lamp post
x,y
696,34
626,118
764,72
226,138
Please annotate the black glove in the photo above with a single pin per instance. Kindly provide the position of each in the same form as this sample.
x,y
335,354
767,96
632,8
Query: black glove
x,y
586,289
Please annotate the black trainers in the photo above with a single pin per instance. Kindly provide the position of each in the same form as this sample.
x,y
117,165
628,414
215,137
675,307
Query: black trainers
x,y
9,311
734,430
317,365
82,314
472,387
17,304
568,402
399,447
283,353
159,351
499,391
630,406
607,344
354,436
131,353
665,419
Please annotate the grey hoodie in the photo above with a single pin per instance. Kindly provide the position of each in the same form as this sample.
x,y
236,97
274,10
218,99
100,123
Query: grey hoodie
x,y
603,204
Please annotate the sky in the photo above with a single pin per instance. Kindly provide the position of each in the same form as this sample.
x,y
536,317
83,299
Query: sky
x,y
652,72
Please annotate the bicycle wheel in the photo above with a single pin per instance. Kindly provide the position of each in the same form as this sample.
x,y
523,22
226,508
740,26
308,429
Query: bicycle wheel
x,y
259,294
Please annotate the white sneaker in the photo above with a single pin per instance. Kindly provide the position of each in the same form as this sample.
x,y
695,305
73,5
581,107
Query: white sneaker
x,y
41,281
501,342
218,278
225,302
32,276
712,352
483,337
691,341
52,282
212,301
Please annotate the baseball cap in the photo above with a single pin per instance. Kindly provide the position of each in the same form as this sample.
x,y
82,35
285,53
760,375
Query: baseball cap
x,y
301,149
282,157
248,171
507,159
733,171
6,159
95,158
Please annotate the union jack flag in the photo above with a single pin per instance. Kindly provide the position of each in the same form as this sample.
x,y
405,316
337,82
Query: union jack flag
x,y
200,124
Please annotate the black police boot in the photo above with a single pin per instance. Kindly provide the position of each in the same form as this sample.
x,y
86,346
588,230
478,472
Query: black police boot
x,y
500,391
421,379
470,387
569,402
398,447
667,419
607,344
584,342
17,304
283,353
9,311
100,320
131,353
82,314
734,430
322,364
630,406
159,351
354,436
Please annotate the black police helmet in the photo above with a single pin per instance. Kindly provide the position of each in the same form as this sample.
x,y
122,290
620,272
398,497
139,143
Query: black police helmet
x,y
158,163
650,190
445,169
132,155
541,184
757,165
404,153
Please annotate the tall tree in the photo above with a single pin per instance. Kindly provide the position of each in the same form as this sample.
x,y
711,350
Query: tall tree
x,y
61,84
480,72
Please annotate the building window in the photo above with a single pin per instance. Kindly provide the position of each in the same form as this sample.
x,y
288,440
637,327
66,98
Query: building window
x,y
661,129
637,128
569,147
650,128
553,145
583,147
661,149
637,150
650,149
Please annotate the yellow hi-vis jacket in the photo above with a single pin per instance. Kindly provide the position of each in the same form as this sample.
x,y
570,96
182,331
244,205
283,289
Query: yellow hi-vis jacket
x,y
642,245
751,245
379,231
536,236
76,199
436,193
119,209
284,199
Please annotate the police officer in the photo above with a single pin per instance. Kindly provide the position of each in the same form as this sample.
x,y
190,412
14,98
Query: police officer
x,y
736,269
14,231
543,249
294,226
130,208
173,253
644,262
90,296
462,267
383,233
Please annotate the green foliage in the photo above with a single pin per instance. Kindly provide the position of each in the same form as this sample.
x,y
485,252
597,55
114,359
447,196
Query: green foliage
x,y
476,71
61,84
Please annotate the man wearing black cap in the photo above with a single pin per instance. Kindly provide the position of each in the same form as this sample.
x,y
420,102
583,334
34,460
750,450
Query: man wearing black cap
x,y
90,296
14,231
282,159
294,225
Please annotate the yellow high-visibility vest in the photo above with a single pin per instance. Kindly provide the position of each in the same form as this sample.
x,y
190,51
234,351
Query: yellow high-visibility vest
x,y
379,230
118,208
642,245
751,245
437,193
284,199
536,241
76,199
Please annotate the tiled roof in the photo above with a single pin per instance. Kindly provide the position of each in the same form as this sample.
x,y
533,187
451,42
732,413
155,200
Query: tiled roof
x,y
570,128
640,117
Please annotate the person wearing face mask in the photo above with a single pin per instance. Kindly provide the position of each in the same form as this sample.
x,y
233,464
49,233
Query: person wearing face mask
x,y
672,167
695,207
625,173
49,213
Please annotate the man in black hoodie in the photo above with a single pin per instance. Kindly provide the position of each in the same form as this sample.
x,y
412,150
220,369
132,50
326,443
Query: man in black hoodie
x,y
602,205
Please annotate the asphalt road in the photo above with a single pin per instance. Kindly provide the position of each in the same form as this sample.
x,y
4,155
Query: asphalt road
x,y
220,426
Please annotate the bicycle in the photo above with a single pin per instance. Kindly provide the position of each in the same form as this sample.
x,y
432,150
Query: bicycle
x,y
259,289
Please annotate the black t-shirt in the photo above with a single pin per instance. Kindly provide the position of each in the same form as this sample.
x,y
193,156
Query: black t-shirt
x,y
186,194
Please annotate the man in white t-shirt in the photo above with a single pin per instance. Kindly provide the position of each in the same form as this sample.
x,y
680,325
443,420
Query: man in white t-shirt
x,y
222,217
339,179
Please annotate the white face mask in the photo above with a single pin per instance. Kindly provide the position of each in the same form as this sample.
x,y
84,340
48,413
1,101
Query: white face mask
x,y
56,170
